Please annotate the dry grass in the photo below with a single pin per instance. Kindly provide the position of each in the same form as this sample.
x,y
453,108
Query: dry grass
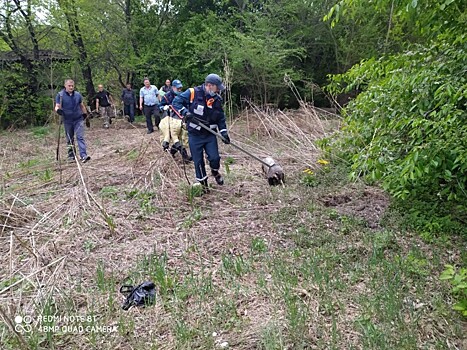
x,y
254,264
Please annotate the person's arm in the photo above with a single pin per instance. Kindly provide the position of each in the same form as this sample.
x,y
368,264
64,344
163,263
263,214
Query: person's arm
x,y
123,95
181,102
58,102
141,95
83,108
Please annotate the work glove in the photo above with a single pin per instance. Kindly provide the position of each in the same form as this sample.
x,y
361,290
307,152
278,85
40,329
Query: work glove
x,y
188,118
60,112
166,107
226,137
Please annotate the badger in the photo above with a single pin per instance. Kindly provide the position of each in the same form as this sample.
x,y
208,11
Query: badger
x,y
273,171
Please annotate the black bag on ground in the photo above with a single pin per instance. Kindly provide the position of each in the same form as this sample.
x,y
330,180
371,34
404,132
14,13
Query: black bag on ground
x,y
141,295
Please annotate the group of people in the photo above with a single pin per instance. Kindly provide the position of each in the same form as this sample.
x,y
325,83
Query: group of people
x,y
190,118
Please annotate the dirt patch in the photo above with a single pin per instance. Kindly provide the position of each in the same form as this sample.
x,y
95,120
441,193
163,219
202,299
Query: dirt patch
x,y
369,205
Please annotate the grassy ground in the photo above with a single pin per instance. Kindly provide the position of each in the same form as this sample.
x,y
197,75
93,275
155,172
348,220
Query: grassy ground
x,y
319,264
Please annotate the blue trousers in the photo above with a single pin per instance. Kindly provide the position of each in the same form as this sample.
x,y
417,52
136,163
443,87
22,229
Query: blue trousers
x,y
72,128
200,144
129,110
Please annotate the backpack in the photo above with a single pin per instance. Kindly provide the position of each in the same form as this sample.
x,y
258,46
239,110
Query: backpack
x,y
141,295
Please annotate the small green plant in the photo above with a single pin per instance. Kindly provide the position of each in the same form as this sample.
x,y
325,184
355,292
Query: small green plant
x,y
235,265
309,178
109,192
29,163
194,216
88,246
40,132
194,191
227,162
47,175
132,155
259,245
458,280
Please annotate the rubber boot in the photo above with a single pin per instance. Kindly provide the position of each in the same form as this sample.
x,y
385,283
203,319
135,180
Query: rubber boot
x,y
176,147
205,185
218,177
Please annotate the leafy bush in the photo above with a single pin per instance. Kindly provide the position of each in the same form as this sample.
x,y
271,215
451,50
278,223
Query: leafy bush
x,y
408,127
458,281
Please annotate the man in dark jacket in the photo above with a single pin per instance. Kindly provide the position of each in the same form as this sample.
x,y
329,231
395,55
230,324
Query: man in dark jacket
x,y
104,103
129,102
203,104
69,105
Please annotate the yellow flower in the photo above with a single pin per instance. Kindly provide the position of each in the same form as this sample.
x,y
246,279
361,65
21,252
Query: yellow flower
x,y
323,162
308,171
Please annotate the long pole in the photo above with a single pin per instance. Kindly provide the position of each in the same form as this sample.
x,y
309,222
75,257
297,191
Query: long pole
x,y
200,123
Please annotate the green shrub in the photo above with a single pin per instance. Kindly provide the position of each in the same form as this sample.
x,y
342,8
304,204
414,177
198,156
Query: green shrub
x,y
458,281
407,128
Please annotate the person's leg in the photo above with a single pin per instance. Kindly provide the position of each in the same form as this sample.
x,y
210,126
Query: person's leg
x,y
126,111
131,112
175,129
70,135
212,151
105,116
148,114
79,130
157,116
164,127
196,148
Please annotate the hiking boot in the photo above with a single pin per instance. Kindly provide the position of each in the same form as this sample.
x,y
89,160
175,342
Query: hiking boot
x,y
165,146
218,177
70,159
85,159
106,126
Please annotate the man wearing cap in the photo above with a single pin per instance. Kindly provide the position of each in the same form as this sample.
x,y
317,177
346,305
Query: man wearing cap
x,y
171,125
203,104
148,102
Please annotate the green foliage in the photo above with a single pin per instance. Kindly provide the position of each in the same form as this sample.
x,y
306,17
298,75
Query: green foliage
x,y
407,128
309,178
458,280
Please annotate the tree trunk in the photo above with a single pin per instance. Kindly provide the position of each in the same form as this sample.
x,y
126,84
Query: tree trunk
x,y
129,26
69,9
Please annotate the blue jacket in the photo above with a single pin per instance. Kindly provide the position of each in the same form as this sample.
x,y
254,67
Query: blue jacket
x,y
167,99
207,109
70,104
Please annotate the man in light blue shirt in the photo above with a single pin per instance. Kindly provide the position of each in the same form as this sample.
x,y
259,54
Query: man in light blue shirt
x,y
148,103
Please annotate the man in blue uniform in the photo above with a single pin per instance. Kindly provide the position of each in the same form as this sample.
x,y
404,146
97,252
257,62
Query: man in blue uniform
x,y
148,101
69,105
203,104
171,125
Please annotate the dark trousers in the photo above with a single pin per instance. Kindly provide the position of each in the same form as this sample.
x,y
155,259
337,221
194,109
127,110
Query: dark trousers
x,y
150,111
129,110
198,145
73,128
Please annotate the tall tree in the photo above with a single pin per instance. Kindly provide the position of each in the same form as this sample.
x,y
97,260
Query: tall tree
x,y
69,9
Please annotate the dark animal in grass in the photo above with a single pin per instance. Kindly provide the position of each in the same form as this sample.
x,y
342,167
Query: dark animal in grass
x,y
274,172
